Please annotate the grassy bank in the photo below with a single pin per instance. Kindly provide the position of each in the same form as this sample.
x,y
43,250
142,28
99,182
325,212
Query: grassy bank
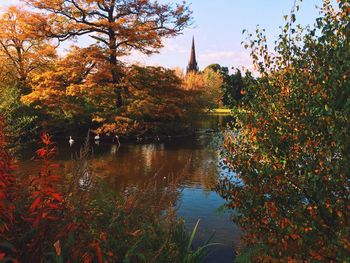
x,y
220,111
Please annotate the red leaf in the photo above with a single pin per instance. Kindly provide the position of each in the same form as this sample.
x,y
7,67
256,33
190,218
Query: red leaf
x,y
35,204
54,206
99,254
37,220
57,246
57,196
46,139
41,152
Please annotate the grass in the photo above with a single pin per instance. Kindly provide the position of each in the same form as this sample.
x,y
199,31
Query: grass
x,y
220,111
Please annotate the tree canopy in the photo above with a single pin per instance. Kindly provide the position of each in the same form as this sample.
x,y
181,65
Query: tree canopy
x,y
24,44
117,26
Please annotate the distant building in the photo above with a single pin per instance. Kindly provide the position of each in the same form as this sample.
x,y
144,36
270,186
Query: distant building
x,y
192,65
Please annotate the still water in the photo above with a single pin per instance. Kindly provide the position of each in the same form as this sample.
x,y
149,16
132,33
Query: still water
x,y
195,158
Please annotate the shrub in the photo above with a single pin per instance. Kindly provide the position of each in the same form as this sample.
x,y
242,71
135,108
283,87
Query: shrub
x,y
21,121
291,146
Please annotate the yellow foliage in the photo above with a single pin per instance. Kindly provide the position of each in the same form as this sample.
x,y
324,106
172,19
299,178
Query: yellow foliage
x,y
22,42
209,82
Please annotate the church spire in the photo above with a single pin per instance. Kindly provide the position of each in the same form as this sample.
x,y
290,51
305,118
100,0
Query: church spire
x,y
192,65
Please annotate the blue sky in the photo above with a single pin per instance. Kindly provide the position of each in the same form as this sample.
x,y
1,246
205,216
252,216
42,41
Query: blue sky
x,y
217,29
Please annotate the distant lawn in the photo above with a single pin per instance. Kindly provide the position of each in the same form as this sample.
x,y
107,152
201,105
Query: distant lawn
x,y
220,111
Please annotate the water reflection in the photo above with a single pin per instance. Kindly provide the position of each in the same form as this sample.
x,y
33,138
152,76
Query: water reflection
x,y
85,182
130,165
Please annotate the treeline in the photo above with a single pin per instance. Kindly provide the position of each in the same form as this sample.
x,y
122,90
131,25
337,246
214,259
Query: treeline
x,y
221,88
44,89
41,88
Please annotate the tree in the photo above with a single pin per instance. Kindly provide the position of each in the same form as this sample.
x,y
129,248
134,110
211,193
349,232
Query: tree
x,y
213,82
231,86
118,27
21,122
235,91
63,91
22,44
157,104
208,83
291,146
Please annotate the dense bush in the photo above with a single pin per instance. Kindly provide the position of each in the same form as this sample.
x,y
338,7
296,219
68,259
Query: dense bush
x,y
291,145
22,122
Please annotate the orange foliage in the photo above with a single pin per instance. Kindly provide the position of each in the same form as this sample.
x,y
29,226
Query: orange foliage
x,y
23,44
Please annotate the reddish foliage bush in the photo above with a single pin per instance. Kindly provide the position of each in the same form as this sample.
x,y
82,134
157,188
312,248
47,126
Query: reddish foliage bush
x,y
7,180
50,216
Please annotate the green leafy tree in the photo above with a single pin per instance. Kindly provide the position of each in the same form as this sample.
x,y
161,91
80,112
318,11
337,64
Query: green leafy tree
x,y
226,81
22,122
212,93
232,84
291,147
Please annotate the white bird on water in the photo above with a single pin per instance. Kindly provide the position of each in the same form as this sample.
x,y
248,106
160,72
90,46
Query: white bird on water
x,y
71,141
117,138
97,137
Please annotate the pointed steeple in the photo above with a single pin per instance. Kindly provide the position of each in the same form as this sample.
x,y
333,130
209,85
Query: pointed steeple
x,y
192,65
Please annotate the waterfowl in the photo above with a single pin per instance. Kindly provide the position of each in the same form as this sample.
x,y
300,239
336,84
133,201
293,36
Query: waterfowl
x,y
117,138
71,141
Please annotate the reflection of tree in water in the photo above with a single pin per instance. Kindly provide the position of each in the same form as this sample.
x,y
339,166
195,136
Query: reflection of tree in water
x,y
86,179
136,164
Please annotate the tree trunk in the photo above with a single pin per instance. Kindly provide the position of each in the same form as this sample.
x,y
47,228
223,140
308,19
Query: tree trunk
x,y
115,74
116,78
22,81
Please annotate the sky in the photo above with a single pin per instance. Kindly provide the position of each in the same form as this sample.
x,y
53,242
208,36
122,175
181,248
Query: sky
x,y
218,26
217,29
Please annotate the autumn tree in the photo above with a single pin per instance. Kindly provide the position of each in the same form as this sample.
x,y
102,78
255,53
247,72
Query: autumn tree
x,y
290,148
65,91
209,85
212,94
157,104
23,46
118,27
231,86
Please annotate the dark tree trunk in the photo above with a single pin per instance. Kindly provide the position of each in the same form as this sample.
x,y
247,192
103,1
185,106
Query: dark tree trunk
x,y
22,81
116,76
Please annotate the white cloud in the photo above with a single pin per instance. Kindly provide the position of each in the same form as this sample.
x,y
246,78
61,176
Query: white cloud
x,y
234,57
171,46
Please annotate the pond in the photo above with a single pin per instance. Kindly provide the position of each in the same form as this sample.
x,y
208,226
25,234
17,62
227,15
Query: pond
x,y
196,158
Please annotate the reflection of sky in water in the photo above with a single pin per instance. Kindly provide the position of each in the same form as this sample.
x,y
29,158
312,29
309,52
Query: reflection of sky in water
x,y
197,203
197,159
